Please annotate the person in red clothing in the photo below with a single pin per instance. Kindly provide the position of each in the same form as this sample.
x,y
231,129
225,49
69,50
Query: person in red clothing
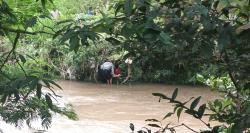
x,y
117,71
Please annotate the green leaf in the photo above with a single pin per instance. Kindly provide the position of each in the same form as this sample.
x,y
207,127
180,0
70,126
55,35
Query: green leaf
x,y
31,57
127,31
43,3
200,78
215,4
99,27
201,110
175,93
93,36
54,83
70,33
118,7
22,58
64,21
142,131
179,112
176,107
154,125
154,120
195,103
39,91
207,24
51,1
167,115
33,84
74,43
3,98
49,101
225,11
46,83
113,40
165,38
84,42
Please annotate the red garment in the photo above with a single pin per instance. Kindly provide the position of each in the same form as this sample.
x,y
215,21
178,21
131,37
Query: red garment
x,y
117,71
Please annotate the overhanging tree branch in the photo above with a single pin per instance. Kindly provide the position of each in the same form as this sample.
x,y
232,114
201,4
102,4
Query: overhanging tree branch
x,y
11,51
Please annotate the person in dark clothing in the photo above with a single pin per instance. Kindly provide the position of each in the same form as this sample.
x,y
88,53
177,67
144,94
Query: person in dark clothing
x,y
107,71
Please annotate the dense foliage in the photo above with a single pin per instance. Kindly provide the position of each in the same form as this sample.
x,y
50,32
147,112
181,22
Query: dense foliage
x,y
208,35
26,88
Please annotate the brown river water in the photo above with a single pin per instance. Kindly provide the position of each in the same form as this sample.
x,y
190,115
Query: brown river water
x,y
110,109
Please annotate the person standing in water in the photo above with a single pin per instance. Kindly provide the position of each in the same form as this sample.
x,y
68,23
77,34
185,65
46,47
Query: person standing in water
x,y
128,61
117,71
107,69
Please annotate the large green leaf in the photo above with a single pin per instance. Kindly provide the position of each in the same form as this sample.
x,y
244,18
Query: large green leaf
x,y
201,110
195,103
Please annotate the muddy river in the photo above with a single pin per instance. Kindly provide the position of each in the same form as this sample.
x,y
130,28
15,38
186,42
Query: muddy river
x,y
110,109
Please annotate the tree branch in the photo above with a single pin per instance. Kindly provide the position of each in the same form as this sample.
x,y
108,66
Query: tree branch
x,y
11,51
24,31
46,26
237,86
189,128
172,128
182,105
22,68
226,60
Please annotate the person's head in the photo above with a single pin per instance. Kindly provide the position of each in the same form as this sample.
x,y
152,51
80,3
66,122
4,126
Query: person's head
x,y
106,60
